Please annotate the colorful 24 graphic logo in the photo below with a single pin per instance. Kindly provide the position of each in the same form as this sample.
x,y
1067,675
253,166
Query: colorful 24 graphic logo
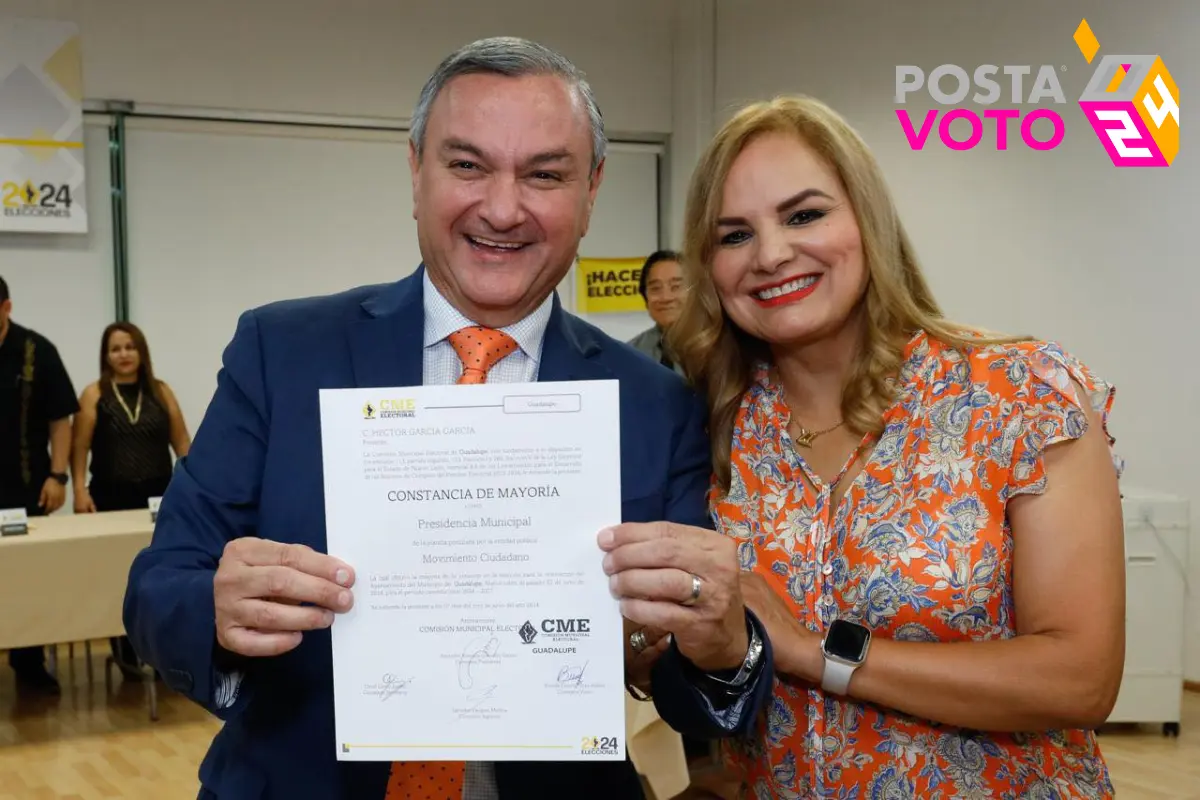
x,y
16,196
1132,103
598,745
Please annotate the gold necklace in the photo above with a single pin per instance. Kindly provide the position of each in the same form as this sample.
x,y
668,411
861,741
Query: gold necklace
x,y
134,415
804,437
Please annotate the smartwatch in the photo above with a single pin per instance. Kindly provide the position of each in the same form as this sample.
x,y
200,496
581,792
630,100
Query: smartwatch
x,y
845,648
61,477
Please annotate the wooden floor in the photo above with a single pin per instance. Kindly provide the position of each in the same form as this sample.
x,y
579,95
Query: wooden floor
x,y
1145,765
86,745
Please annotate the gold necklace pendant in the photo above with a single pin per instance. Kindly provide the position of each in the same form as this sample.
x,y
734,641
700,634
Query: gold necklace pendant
x,y
804,437
134,415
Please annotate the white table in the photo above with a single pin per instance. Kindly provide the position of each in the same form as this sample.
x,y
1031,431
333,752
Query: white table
x,y
64,581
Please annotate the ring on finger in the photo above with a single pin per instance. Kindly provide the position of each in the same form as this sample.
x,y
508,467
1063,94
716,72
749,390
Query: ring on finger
x,y
696,583
637,640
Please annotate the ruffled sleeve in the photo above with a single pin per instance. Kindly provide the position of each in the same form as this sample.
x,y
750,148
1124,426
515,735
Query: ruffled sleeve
x,y
1047,409
713,498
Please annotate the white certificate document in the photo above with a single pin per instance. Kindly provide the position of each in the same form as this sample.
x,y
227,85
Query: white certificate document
x,y
483,628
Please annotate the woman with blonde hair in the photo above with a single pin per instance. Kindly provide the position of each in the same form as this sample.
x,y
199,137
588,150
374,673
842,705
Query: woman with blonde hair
x,y
926,516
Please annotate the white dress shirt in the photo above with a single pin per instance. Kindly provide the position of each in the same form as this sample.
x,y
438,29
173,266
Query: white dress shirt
x,y
441,365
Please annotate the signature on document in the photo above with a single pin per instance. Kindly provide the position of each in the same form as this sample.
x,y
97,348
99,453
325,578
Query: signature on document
x,y
572,674
477,656
472,656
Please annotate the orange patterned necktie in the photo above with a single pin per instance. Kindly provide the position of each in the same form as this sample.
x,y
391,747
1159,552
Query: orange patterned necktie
x,y
479,349
426,780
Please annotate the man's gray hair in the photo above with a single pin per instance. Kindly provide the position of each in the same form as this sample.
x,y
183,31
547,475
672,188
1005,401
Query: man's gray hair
x,y
515,58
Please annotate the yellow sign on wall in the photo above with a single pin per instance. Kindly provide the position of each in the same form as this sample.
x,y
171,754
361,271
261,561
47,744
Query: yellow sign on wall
x,y
609,285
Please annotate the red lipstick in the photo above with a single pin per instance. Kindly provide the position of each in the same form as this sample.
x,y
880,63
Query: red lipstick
x,y
790,297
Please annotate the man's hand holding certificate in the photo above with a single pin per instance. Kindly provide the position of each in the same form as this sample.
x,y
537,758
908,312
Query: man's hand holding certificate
x,y
483,627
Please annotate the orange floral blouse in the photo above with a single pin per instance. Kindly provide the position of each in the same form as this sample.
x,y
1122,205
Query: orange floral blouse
x,y
919,549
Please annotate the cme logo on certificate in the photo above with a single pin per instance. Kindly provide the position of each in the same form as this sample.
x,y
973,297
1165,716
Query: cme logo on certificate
x,y
390,409
559,635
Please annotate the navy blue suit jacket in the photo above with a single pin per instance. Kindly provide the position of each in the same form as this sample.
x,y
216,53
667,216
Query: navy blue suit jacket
x,y
255,470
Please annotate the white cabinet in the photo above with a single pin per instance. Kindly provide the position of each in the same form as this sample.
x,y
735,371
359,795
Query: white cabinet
x,y
1156,559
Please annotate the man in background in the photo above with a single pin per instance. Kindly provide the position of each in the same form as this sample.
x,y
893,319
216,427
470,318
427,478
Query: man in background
x,y
233,599
661,285
36,404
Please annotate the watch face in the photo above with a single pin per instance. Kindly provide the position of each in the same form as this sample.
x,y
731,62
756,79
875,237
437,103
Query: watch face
x,y
846,640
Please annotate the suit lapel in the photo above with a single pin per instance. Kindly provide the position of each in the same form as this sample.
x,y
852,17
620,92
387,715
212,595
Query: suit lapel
x,y
387,345
569,350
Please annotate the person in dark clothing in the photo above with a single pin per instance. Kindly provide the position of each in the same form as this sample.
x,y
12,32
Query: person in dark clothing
x,y
36,404
129,421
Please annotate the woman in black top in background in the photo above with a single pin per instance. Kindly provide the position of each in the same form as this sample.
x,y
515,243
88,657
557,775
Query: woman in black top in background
x,y
129,421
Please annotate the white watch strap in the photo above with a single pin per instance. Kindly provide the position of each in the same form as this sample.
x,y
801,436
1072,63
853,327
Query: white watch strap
x,y
836,677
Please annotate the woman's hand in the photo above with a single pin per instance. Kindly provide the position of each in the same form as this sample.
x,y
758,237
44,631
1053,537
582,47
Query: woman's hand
x,y
797,649
84,503
643,647
656,569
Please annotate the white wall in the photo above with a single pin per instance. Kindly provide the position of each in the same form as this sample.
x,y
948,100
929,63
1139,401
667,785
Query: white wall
x,y
693,82
354,57
1057,244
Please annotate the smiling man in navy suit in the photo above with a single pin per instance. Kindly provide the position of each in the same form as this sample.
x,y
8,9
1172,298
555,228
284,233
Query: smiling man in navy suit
x,y
233,599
